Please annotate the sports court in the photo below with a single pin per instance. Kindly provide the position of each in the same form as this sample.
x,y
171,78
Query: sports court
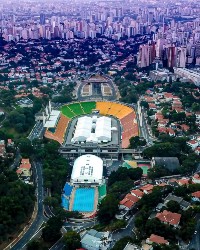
x,y
84,200
145,168
133,164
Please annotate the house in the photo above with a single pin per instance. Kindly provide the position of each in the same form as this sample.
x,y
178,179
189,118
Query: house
x,y
25,161
128,202
169,218
184,205
183,181
10,143
94,240
156,239
184,127
170,163
137,193
197,150
193,144
147,189
196,178
171,132
24,170
196,196
130,246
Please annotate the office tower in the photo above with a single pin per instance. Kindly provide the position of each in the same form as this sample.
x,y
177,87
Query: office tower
x,y
181,57
146,55
42,18
197,49
171,56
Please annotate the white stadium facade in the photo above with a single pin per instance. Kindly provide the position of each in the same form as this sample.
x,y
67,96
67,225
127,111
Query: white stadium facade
x,y
87,169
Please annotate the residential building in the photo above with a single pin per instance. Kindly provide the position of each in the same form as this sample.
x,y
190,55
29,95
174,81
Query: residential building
x,y
169,218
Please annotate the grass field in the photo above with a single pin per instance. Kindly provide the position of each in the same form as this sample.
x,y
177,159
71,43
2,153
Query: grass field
x,y
67,112
76,108
88,106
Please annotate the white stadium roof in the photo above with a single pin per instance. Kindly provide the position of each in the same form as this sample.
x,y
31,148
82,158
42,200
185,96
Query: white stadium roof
x,y
87,169
92,129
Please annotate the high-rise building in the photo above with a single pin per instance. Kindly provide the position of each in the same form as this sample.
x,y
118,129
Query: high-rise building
x,y
181,57
171,56
42,18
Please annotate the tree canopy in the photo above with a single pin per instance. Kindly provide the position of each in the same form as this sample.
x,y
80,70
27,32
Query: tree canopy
x,y
72,240
107,209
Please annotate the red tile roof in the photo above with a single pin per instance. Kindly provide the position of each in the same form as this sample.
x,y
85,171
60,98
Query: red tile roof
x,y
169,217
24,161
196,194
137,193
158,239
132,198
147,187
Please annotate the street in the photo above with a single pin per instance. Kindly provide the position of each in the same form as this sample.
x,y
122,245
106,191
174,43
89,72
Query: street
x,y
37,131
39,217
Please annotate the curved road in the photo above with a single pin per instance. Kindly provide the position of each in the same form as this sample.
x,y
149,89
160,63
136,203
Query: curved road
x,y
37,167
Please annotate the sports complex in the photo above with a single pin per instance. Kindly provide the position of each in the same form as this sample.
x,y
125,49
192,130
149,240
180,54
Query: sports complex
x,y
111,124
89,132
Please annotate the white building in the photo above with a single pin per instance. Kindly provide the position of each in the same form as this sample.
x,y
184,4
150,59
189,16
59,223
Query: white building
x,y
191,75
87,169
92,129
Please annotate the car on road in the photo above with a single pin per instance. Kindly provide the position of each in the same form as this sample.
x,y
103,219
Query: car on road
x,y
195,232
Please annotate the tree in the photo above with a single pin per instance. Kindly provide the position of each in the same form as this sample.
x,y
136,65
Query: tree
x,y
173,206
195,107
136,141
33,245
107,209
51,232
144,104
72,240
157,172
162,150
120,244
25,147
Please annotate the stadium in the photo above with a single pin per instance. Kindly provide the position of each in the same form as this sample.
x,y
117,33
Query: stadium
x,y
97,127
89,132
87,186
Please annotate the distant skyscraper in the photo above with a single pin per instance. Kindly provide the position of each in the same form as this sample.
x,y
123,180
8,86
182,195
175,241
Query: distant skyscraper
x,y
42,18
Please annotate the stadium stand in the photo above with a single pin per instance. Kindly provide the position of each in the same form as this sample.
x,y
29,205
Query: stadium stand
x,y
103,107
88,107
67,111
60,130
102,191
129,128
67,189
76,108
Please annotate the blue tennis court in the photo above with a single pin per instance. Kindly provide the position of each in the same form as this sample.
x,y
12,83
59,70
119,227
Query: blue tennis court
x,y
65,203
84,200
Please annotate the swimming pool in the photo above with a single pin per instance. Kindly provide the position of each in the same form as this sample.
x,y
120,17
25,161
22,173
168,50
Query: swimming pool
x,y
65,203
84,200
